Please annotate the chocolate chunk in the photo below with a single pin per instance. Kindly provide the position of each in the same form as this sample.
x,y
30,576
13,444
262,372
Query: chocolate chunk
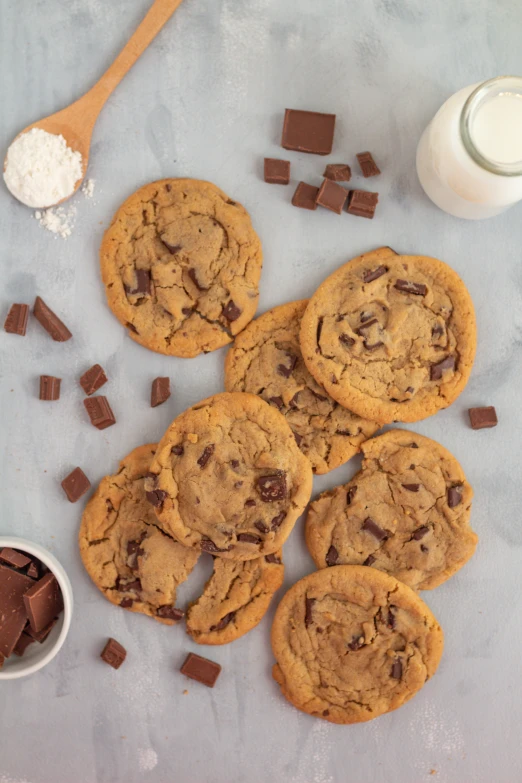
x,y
294,401
128,587
356,643
131,327
113,653
14,558
367,317
308,131
133,547
370,560
305,196
126,603
414,445
338,172
368,166
22,644
346,340
177,450
231,311
277,521
277,172
273,558
320,397
332,556
142,283
41,636
285,371
43,601
156,497
298,438
372,346
391,617
207,545
50,322
226,620
332,196
206,455
437,331
373,274
277,401
201,669
173,249
160,391
407,287
350,495
412,487
366,325
250,502
437,370
325,712
362,203
13,614
170,613
75,485
482,418
424,548
319,331
193,276
454,496
260,525
396,671
16,321
420,533
248,538
272,488
93,379
49,387
309,602
187,311
372,527
99,412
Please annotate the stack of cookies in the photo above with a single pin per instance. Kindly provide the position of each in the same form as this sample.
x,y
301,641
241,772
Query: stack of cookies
x,y
386,338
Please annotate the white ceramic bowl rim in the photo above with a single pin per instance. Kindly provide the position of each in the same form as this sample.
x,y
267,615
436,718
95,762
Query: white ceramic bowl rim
x,y
63,580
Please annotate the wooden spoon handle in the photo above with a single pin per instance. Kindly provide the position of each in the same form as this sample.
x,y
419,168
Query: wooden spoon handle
x,y
159,13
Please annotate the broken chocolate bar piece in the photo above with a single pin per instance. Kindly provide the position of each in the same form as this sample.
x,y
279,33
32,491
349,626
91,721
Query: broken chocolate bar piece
x,y
41,636
13,614
362,203
201,669
481,418
16,321
49,387
14,558
308,131
75,485
43,601
160,391
332,196
100,412
113,653
368,166
338,172
93,379
50,321
305,196
277,172
22,644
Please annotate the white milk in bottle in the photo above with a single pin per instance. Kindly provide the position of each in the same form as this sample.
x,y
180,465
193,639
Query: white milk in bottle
x,y
469,158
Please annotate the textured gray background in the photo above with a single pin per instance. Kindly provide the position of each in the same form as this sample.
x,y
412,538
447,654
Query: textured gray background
x,y
206,100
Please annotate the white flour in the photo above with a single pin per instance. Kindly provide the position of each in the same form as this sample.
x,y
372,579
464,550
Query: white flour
x,y
88,188
148,759
58,220
41,169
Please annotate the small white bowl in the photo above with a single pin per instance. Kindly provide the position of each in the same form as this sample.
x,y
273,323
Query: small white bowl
x,y
39,655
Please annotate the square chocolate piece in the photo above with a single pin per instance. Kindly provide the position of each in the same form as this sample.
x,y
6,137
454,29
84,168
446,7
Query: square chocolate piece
x,y
308,131
160,391
100,412
277,172
483,418
93,379
362,203
332,196
43,601
368,166
305,196
49,387
339,172
16,321
201,669
113,653
75,485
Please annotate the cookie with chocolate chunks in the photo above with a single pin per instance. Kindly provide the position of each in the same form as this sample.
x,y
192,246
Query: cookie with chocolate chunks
x,y
353,643
181,265
266,360
392,338
235,598
133,563
405,512
233,477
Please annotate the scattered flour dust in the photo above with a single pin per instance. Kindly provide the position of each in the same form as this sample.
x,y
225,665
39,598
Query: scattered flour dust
x,y
60,220
147,758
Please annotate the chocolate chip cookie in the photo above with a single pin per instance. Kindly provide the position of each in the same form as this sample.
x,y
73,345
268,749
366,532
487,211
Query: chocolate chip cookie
x,y
132,562
266,360
235,598
406,512
352,643
229,478
391,337
181,265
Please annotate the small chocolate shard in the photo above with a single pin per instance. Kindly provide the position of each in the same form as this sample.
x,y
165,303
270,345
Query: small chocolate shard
x,y
277,172
126,603
356,643
332,556
362,203
391,617
370,560
369,168
277,401
99,412
75,485
272,488
338,172
16,320
350,495
206,455
226,620
170,613
407,287
50,321
49,388
332,196
22,644
250,503
201,669
113,653
346,340
260,525
193,276
309,602
372,346
207,545
248,538
372,527
142,287
173,249
156,497
483,418
131,327
373,274
437,330
412,487
187,311
305,196
396,671
42,635
420,533
177,450
365,325
285,371
437,370
273,558
308,131
93,379
130,587
231,311
454,496
278,520
160,391
298,438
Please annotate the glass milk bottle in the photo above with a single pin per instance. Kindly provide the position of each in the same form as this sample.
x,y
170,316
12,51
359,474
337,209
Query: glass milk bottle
x,y
469,158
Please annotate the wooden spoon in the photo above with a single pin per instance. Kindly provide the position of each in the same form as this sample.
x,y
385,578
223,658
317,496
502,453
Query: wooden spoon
x,y
76,122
